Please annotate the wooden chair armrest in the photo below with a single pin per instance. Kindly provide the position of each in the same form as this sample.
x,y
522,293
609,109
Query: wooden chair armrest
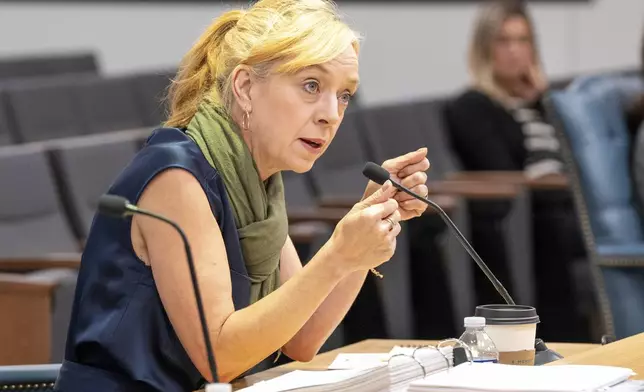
x,y
22,284
326,215
480,190
548,182
513,177
26,264
447,202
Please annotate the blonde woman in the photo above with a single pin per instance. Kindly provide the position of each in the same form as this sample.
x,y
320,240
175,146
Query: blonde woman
x,y
499,124
262,91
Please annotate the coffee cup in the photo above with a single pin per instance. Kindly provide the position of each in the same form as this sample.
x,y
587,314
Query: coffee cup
x,y
513,328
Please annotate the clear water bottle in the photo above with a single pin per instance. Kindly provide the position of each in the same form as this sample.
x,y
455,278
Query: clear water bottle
x,y
478,341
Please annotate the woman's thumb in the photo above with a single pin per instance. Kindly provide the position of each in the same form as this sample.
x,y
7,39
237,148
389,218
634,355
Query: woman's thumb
x,y
383,194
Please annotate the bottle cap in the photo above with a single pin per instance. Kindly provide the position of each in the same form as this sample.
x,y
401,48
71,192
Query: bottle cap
x,y
474,322
219,388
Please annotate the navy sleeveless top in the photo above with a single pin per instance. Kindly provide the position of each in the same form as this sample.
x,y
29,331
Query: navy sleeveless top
x,y
120,338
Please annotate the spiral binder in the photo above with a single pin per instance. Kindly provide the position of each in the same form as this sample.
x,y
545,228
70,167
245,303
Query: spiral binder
x,y
404,365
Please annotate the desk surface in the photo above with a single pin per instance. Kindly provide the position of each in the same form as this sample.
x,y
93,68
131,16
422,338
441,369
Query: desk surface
x,y
627,352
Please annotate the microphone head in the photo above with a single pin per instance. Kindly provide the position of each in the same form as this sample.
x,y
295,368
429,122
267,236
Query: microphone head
x,y
113,205
375,173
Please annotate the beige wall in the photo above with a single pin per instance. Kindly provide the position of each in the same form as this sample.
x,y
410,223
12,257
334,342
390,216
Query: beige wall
x,y
411,49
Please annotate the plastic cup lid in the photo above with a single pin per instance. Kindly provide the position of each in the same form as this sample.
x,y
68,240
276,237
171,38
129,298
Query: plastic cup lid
x,y
507,314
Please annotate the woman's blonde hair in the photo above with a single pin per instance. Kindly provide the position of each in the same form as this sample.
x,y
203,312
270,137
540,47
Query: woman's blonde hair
x,y
487,27
290,34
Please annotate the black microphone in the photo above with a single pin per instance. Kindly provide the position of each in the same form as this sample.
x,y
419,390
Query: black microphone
x,y
117,206
379,175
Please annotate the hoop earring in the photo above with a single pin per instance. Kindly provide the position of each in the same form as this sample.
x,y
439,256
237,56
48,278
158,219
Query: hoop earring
x,y
245,121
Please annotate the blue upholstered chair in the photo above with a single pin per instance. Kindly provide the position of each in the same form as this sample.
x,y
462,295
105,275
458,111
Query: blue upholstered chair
x,y
591,124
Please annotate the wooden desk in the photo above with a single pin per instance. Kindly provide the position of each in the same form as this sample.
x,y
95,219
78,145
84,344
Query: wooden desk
x,y
627,353
548,182
322,361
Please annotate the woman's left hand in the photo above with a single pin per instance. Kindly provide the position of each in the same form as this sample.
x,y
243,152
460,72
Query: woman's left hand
x,y
408,170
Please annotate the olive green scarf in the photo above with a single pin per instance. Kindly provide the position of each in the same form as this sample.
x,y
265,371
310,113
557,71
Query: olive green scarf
x,y
259,209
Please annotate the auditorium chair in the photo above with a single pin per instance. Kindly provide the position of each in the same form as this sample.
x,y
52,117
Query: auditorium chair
x,y
6,130
485,192
151,89
589,118
108,104
394,130
305,217
39,256
309,225
32,219
86,166
47,65
339,183
45,108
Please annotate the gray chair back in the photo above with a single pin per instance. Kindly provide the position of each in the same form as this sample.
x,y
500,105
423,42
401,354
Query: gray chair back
x,y
86,167
44,109
32,221
395,130
391,131
298,190
47,65
108,104
151,89
435,132
6,130
338,173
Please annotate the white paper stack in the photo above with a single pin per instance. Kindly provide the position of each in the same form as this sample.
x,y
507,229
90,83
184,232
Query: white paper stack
x,y
358,380
497,377
405,365
392,371
629,386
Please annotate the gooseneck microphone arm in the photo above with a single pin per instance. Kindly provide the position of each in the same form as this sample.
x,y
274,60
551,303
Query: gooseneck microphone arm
x,y
379,175
118,206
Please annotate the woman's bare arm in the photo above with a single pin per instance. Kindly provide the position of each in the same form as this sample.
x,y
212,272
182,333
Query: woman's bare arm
x,y
241,338
308,340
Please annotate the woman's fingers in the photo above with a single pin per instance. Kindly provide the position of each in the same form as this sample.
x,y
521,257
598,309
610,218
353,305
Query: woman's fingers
x,y
421,166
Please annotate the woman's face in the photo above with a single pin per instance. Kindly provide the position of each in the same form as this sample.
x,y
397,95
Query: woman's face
x,y
295,117
512,51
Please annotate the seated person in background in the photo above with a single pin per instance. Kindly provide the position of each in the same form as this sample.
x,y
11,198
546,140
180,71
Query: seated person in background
x,y
499,124
262,91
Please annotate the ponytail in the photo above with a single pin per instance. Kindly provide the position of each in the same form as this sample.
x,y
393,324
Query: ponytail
x,y
200,69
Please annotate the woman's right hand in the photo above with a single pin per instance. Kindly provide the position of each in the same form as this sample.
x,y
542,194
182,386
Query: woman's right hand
x,y
366,236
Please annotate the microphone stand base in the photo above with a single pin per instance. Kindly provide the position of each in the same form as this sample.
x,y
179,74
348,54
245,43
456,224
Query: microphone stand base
x,y
543,354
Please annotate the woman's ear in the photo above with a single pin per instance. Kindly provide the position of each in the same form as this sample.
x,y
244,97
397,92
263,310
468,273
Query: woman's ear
x,y
242,81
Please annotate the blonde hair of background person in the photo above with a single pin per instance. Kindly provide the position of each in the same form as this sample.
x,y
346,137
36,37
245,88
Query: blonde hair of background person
x,y
504,28
283,70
